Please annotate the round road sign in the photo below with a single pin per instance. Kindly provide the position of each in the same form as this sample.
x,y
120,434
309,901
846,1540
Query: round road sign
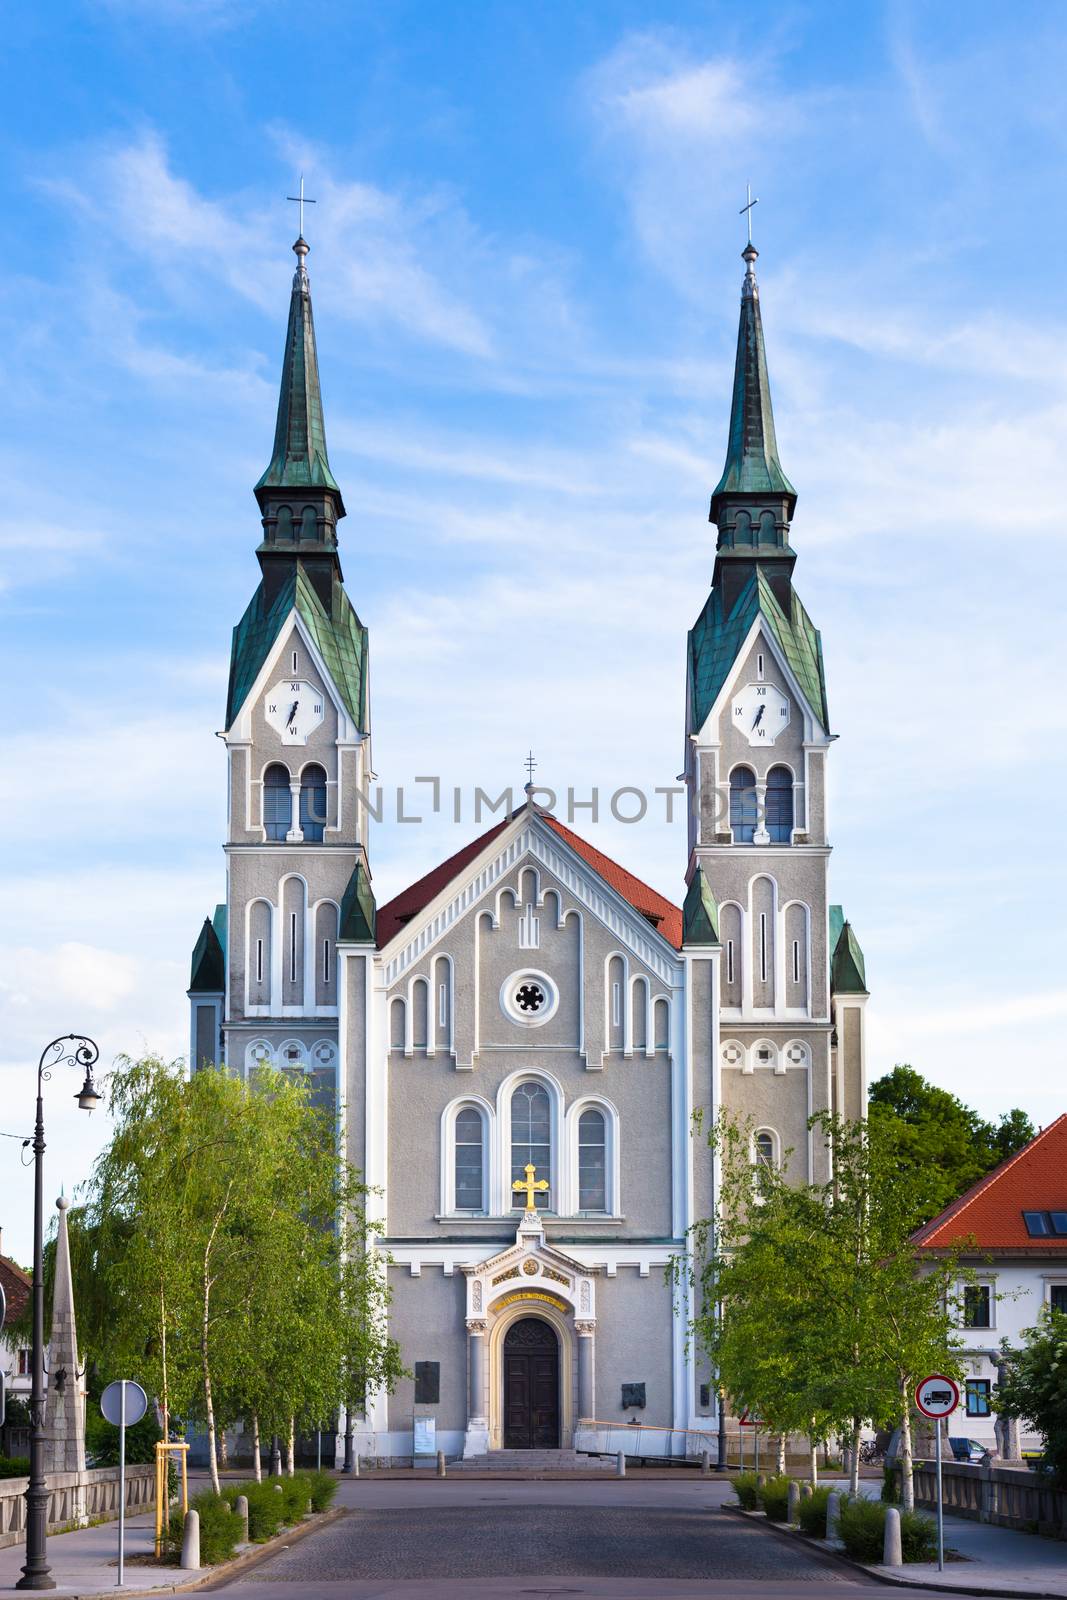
x,y
136,1402
937,1396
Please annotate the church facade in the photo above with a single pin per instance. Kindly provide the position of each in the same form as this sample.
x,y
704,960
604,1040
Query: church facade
x,y
516,1044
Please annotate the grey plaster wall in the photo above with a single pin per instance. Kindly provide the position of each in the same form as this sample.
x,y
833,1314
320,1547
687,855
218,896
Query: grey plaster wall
x,y
427,1318
633,1345
354,980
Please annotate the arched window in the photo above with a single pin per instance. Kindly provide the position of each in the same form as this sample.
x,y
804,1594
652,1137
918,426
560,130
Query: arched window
x,y
469,1160
764,1145
592,1162
277,802
743,804
313,803
531,1139
779,805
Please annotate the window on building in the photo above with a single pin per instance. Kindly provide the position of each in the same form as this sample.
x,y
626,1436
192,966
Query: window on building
x,y
978,1392
592,1162
778,805
277,802
1037,1224
978,1305
313,803
470,1160
1058,1220
765,1149
25,1363
1057,1297
531,1140
743,804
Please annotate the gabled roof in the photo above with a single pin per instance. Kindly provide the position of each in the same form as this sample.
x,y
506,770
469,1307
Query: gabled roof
x,y
665,917
1033,1179
340,638
715,640
17,1286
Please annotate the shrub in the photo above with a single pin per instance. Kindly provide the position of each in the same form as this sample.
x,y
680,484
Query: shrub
x,y
219,1530
323,1488
774,1498
14,1466
296,1492
890,1486
862,1529
811,1513
102,1439
918,1536
266,1509
747,1491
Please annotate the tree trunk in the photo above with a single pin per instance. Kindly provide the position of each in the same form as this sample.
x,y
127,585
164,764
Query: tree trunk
x,y
256,1462
854,1457
907,1479
290,1449
209,1405
781,1455
224,1454
814,1463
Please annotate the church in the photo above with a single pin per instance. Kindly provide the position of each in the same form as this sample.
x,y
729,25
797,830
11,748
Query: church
x,y
516,1044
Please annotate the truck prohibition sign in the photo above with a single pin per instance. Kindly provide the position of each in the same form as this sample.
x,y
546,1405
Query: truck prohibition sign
x,y
937,1396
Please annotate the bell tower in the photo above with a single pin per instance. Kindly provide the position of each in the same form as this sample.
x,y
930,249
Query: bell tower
x,y
264,983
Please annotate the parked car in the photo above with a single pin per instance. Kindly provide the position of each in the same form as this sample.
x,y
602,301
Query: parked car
x,y
967,1449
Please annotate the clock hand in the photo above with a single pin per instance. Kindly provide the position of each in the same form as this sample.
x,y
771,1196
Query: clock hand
x,y
292,714
759,715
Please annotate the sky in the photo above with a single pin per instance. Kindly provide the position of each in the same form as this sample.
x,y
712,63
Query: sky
x,y
525,268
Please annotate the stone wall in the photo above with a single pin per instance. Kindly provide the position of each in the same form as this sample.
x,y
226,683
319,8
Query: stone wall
x,y
75,1498
1010,1497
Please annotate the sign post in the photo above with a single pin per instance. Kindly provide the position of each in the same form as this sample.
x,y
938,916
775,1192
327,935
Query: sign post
x,y
123,1403
937,1397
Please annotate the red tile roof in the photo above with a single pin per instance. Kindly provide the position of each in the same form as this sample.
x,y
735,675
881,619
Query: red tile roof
x,y
17,1286
664,916
1034,1179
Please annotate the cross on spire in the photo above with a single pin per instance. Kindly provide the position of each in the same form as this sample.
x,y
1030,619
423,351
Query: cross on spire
x,y
530,764
301,200
531,1187
744,209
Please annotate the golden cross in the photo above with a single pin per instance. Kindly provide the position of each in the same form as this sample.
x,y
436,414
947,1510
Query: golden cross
x,y
530,1186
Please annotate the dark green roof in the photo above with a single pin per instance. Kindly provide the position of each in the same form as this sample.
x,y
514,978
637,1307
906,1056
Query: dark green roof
x,y
341,640
299,459
208,974
357,909
715,640
700,914
752,464
847,972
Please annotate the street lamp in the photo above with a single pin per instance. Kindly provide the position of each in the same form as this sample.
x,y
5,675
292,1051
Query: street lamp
x,y
72,1050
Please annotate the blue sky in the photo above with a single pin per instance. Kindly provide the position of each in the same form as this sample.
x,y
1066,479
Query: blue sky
x,y
525,267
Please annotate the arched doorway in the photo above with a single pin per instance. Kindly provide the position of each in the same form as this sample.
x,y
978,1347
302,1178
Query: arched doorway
x,y
531,1386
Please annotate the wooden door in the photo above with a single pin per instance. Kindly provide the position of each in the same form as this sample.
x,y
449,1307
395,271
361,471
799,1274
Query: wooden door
x,y
531,1386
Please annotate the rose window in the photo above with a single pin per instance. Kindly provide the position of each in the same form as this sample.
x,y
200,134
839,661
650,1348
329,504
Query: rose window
x,y
530,997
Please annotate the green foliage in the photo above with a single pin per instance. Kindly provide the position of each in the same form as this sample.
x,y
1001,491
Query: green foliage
x,y
14,1466
774,1498
747,1491
942,1145
102,1438
323,1487
1034,1386
18,1412
890,1485
296,1493
811,1513
220,1530
862,1529
266,1509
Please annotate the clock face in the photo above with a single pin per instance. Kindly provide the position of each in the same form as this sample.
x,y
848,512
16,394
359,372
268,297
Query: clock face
x,y
294,710
760,712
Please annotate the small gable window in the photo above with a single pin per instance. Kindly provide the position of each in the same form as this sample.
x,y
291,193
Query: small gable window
x,y
313,803
592,1162
743,804
277,802
779,805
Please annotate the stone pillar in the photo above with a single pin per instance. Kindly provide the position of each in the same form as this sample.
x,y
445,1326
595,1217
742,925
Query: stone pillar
x,y
586,1394
476,1441
65,1403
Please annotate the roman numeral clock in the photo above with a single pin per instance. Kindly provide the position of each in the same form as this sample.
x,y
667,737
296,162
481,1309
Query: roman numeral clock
x,y
294,710
761,712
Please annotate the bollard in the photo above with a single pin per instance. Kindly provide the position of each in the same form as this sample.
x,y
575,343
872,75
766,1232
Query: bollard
x,y
440,1463
355,1466
792,1501
833,1508
892,1550
278,1489
191,1542
761,1479
806,1490
705,1464
240,1505
620,1464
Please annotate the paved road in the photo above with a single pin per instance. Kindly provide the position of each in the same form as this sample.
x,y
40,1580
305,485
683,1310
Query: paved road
x,y
479,1540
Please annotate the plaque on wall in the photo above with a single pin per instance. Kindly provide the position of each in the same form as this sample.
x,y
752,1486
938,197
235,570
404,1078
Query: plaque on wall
x,y
633,1396
428,1383
705,1395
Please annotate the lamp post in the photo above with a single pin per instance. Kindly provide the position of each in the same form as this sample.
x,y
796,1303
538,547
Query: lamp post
x,y
72,1050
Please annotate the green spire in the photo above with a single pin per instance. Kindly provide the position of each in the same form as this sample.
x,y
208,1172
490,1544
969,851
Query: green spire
x,y
700,914
752,465
300,460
